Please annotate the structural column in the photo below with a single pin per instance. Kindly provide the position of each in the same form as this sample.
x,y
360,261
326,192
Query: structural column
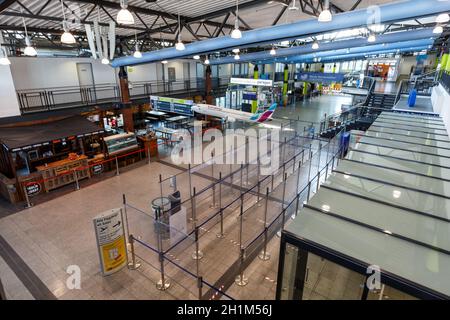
x,y
127,112
285,84
208,85
255,76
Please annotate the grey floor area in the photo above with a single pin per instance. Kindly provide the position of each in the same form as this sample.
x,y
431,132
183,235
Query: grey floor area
x,y
423,104
314,110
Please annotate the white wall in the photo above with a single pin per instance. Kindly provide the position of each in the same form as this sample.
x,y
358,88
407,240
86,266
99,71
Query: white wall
x,y
145,72
33,73
9,105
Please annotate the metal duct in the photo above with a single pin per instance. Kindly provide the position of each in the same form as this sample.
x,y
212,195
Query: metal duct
x,y
360,50
392,12
335,45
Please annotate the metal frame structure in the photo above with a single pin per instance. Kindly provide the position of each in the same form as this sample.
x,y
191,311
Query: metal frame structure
x,y
155,26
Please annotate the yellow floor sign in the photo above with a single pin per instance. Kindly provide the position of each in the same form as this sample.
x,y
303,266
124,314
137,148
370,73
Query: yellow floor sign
x,y
110,234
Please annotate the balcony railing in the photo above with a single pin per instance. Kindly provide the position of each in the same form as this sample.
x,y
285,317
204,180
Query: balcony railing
x,y
47,99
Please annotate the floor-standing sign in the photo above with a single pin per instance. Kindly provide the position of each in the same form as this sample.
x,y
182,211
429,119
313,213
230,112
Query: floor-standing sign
x,y
110,234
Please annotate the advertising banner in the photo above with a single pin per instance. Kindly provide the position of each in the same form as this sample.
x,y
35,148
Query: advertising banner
x,y
110,235
320,77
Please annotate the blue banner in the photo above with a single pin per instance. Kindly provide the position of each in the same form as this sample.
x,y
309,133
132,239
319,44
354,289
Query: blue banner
x,y
320,77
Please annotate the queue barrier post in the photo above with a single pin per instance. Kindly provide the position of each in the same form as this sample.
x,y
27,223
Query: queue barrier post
x,y
27,198
133,264
241,280
117,167
197,254
264,255
75,176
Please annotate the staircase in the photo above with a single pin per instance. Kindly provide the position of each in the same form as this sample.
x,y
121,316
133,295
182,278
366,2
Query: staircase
x,y
381,100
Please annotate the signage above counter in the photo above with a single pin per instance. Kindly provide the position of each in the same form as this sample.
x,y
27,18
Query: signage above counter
x,y
173,105
252,82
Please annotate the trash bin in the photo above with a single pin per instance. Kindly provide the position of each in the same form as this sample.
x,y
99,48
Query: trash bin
x,y
412,98
344,143
175,202
161,210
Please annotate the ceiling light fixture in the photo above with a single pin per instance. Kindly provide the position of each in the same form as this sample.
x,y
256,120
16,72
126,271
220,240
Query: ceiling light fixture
x,y
315,45
325,15
124,16
105,61
443,18
438,29
273,51
29,50
237,57
371,38
137,53
164,62
196,57
206,60
236,50
179,45
66,37
236,33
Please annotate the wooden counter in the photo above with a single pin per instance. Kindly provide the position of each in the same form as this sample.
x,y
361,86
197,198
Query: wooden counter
x,y
60,173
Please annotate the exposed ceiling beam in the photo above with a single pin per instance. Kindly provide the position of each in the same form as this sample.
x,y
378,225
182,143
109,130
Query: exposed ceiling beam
x,y
4,4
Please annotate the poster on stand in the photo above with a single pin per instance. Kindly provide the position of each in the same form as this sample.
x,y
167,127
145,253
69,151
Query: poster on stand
x,y
111,243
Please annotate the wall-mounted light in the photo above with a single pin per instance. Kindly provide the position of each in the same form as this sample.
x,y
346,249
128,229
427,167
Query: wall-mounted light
x,y
124,16
137,54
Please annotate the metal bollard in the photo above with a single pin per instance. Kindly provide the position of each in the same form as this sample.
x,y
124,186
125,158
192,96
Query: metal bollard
x,y
133,265
163,284
148,155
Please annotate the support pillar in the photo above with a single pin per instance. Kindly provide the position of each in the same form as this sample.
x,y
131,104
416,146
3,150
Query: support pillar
x,y
127,112
208,85
255,76
285,84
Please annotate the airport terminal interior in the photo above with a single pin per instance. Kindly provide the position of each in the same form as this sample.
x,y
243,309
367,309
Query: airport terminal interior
x,y
224,150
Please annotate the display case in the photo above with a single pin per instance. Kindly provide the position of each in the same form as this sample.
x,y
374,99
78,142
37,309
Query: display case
x,y
120,142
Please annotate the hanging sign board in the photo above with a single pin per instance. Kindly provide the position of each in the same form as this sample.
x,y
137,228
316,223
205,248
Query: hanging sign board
x,y
179,106
252,82
110,234
320,77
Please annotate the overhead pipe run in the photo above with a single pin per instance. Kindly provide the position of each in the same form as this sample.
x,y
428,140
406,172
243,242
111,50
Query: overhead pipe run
x,y
387,13
347,57
359,50
335,45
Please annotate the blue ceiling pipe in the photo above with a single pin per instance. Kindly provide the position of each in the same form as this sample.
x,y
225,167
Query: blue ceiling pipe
x,y
359,55
359,50
391,12
335,45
